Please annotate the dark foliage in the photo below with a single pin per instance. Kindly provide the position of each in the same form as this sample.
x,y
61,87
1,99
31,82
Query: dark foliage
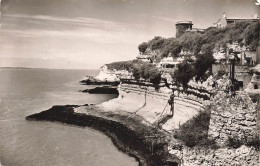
x,y
171,46
123,65
156,43
202,63
254,142
142,47
140,69
234,142
148,72
195,131
184,73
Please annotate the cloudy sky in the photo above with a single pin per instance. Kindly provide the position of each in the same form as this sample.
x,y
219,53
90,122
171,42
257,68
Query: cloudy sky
x,y
90,33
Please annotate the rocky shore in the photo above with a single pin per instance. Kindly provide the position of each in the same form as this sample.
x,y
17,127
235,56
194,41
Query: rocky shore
x,y
102,90
129,132
95,81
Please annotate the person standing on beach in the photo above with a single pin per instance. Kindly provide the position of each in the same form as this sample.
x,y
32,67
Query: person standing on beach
x,y
171,103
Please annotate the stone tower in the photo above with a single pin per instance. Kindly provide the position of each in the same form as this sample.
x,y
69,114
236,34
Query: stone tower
x,y
182,26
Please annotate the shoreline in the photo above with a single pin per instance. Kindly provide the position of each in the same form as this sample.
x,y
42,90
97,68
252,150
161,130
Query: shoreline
x,y
127,131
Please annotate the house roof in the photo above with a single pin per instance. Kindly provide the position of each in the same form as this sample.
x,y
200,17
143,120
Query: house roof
x,y
237,18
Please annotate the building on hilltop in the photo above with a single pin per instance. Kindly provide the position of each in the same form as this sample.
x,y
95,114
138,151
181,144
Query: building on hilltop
x,y
224,21
186,26
182,26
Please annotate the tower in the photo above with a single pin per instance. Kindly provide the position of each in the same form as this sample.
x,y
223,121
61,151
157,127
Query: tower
x,y
182,26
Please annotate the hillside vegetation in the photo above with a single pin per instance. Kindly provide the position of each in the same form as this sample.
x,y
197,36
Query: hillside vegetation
x,y
140,69
244,32
196,48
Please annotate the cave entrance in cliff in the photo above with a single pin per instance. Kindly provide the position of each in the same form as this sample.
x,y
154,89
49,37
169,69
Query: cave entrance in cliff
x,y
256,86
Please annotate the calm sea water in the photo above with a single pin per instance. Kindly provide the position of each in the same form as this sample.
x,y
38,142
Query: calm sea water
x,y
25,143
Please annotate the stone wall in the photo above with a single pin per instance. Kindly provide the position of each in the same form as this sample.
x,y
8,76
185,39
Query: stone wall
x,y
232,117
219,157
152,104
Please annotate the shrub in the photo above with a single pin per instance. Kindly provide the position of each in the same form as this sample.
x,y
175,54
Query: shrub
x,y
148,72
156,43
234,142
184,73
202,64
195,131
123,65
254,142
140,69
251,35
142,47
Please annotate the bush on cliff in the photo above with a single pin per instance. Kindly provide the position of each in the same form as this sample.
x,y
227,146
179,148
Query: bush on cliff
x,y
147,71
202,45
236,142
142,47
122,65
156,43
184,73
140,69
195,131
171,46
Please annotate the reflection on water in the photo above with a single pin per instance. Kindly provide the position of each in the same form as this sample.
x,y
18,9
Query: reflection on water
x,y
25,143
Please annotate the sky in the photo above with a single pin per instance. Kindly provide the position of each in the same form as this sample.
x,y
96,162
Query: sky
x,y
85,34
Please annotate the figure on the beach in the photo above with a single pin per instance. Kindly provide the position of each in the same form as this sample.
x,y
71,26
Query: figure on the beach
x,y
171,103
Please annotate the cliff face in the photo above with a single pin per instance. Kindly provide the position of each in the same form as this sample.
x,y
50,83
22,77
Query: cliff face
x,y
230,116
152,104
112,75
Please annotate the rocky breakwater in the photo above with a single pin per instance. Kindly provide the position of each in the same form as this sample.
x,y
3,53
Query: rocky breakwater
x,y
128,132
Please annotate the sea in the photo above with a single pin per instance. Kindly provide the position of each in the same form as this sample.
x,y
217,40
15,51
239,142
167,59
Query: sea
x,y
28,143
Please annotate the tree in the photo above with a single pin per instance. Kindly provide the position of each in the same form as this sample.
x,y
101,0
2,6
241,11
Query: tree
x,y
252,36
142,47
202,64
184,73
156,43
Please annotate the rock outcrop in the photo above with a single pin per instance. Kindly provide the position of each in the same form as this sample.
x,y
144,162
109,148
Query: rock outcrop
x,y
101,90
112,75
